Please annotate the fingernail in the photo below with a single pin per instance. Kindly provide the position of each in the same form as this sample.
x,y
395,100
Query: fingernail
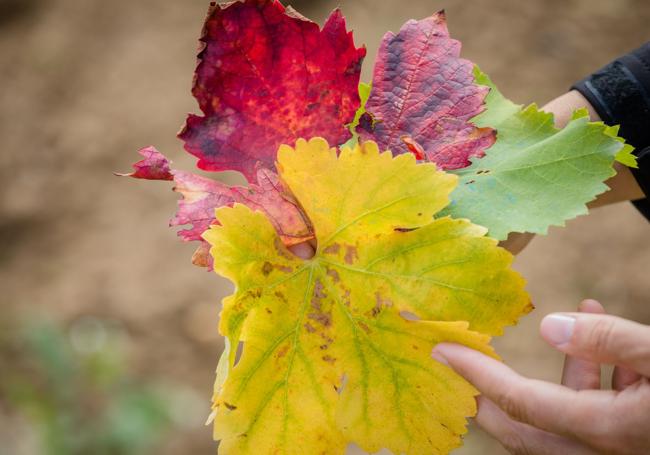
x,y
557,329
437,355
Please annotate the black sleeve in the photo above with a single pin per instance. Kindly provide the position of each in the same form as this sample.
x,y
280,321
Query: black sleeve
x,y
620,93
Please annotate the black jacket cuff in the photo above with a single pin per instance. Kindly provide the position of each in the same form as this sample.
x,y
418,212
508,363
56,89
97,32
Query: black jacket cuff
x,y
620,94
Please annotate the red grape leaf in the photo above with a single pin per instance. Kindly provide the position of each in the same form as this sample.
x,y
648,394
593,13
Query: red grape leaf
x,y
201,256
201,196
154,166
423,96
196,209
267,76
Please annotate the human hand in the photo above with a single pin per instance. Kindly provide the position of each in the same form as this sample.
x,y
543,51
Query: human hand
x,y
304,250
537,418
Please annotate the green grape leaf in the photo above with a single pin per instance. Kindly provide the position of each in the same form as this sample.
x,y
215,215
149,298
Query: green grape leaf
x,y
535,175
337,348
364,94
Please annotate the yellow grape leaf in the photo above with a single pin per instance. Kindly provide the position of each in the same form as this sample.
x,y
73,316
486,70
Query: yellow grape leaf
x,y
336,349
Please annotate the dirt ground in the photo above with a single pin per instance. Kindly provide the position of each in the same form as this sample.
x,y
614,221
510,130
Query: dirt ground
x,y
85,83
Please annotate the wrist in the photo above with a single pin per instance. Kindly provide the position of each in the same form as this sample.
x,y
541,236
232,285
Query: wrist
x,y
563,107
623,186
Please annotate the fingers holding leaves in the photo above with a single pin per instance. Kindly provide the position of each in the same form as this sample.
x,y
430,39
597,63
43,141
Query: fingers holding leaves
x,y
518,437
535,417
580,374
623,377
600,338
536,403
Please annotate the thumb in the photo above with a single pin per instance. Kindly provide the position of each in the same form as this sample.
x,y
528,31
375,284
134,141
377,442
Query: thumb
x,y
600,338
304,250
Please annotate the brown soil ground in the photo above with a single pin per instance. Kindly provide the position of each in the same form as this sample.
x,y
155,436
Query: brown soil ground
x,y
87,83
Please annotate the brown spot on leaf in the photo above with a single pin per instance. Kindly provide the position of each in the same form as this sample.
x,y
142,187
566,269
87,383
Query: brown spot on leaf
x,y
334,275
310,328
232,407
268,310
404,229
346,297
281,296
379,305
329,359
282,351
334,248
350,254
254,293
319,295
323,346
267,268
318,289
321,318
364,326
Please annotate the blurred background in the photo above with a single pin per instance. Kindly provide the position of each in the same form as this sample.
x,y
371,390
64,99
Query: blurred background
x,y
108,339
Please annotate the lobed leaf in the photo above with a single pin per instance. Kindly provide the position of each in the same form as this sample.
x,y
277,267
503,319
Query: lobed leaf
x,y
201,196
535,175
364,94
423,97
153,166
268,76
329,355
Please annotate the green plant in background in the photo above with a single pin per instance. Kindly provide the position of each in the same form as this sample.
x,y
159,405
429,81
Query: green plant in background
x,y
72,387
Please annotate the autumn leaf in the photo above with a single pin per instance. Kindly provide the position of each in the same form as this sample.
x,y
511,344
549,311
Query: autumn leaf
x,y
364,94
201,196
423,96
535,175
337,348
153,166
268,76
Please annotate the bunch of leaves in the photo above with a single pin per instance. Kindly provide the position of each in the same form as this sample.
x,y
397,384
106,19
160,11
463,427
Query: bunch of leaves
x,y
336,348
79,402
